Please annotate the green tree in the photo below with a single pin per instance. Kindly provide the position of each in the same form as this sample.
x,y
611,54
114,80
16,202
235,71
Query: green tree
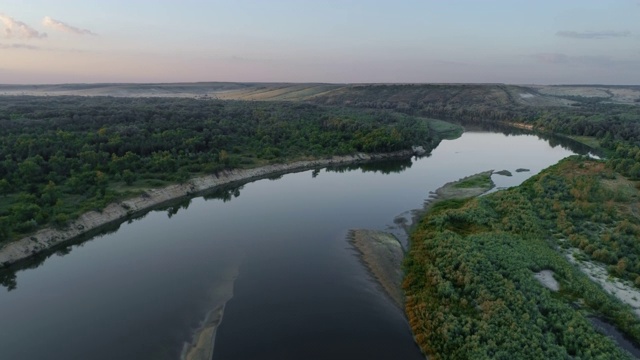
x,y
129,177
5,187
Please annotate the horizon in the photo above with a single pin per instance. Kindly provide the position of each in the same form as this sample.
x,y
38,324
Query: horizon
x,y
334,42
315,83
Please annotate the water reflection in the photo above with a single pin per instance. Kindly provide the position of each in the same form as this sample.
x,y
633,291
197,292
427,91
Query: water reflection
x,y
383,167
8,280
228,192
142,292
553,140
621,339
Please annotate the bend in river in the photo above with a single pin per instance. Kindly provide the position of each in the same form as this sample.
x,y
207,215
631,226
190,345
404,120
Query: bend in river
x,y
273,254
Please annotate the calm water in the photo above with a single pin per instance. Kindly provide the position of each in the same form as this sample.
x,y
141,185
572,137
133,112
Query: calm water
x,y
299,290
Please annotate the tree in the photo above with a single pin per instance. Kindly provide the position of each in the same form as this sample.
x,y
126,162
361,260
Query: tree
x,y
5,187
129,177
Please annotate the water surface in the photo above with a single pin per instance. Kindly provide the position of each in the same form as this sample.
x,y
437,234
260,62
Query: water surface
x,y
299,291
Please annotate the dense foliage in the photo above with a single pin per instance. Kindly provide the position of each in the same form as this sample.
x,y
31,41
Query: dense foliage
x,y
616,127
469,273
60,156
595,210
471,293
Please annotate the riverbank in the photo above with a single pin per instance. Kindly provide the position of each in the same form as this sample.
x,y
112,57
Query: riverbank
x,y
203,340
382,253
48,238
466,187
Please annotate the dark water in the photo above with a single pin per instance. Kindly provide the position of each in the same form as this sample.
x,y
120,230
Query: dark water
x,y
300,292
610,330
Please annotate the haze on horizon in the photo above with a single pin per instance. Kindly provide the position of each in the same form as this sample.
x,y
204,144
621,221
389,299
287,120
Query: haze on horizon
x,y
338,41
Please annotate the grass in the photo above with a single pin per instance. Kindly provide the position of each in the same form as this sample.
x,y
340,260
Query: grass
x,y
590,141
445,129
475,181
448,204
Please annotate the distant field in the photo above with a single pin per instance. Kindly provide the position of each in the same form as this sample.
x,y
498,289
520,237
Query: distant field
x,y
224,91
535,95
614,94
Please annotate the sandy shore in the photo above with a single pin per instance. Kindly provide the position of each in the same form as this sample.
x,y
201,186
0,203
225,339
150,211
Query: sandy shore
x,y
449,191
203,340
382,253
48,238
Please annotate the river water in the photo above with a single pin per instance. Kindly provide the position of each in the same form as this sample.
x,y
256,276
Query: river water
x,y
276,249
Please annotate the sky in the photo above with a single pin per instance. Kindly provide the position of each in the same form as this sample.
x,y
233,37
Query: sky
x,y
334,41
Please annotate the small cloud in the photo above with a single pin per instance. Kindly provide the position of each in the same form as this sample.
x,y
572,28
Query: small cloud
x,y
19,46
593,34
583,60
17,29
60,26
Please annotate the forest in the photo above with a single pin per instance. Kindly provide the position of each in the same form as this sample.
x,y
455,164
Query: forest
x,y
62,156
614,127
469,284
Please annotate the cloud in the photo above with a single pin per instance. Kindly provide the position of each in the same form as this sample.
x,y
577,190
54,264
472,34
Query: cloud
x,y
17,29
593,34
583,60
19,46
29,47
60,26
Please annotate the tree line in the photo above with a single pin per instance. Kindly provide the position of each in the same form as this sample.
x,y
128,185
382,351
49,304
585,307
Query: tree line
x,y
61,156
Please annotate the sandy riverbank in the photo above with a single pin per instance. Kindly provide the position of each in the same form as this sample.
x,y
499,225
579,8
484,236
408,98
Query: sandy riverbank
x,y
382,252
48,238
203,340
466,187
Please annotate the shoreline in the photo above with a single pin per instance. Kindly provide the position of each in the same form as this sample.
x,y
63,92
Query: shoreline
x,y
382,253
49,238
449,191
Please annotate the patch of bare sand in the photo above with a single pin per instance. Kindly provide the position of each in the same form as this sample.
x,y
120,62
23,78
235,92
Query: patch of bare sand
x,y
545,277
382,253
203,339
623,290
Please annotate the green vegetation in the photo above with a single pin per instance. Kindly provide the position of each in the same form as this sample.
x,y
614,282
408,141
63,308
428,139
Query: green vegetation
x,y
446,129
469,279
590,141
62,156
612,128
482,180
504,173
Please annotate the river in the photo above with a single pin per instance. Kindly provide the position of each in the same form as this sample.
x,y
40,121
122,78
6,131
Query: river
x,y
276,249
